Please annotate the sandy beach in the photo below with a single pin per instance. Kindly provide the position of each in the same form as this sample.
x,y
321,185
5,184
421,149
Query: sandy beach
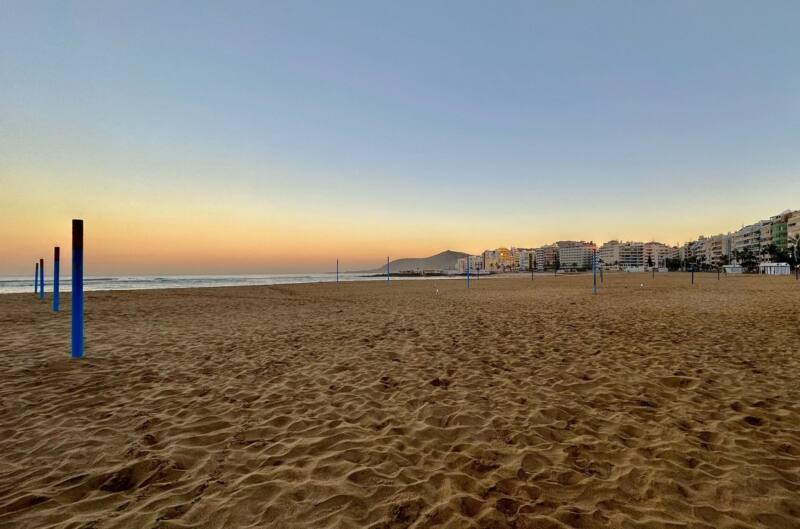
x,y
517,403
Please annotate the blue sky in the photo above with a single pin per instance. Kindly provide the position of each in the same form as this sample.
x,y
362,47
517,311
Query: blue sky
x,y
367,127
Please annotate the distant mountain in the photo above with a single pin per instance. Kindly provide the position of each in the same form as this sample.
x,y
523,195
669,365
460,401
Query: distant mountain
x,y
441,261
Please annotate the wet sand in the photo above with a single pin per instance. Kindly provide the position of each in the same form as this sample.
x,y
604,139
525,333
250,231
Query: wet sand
x,y
518,403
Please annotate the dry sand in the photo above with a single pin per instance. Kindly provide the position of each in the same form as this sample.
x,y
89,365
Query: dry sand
x,y
514,404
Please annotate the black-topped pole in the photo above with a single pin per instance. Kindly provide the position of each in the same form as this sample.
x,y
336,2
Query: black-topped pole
x,y
77,288
41,279
56,271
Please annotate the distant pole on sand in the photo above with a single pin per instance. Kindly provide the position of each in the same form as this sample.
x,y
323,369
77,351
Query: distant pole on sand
x,y
77,288
530,264
594,271
36,279
387,268
56,267
717,273
41,279
468,271
693,274
337,270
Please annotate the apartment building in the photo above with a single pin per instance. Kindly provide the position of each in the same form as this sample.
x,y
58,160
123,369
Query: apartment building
x,y
718,249
526,257
475,264
749,237
499,260
608,254
546,257
624,255
657,253
575,255
793,225
631,255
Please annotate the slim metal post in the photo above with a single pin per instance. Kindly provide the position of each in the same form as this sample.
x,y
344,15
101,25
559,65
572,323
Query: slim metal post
x,y
594,271
468,271
337,270
387,268
41,279
36,279
530,264
693,274
77,288
56,271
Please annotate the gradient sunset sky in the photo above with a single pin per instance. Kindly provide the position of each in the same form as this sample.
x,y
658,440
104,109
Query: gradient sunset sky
x,y
257,137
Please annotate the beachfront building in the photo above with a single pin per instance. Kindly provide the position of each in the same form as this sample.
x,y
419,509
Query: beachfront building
x,y
694,254
631,255
499,260
657,253
546,257
490,262
608,254
793,225
526,257
475,264
711,251
575,255
748,238
778,231
505,259
720,252
780,235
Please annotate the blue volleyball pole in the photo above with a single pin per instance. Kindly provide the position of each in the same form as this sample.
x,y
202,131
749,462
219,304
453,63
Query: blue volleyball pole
x,y
77,288
594,271
337,270
56,267
468,271
387,268
36,279
41,279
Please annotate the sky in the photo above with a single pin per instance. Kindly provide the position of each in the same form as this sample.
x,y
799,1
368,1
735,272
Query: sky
x,y
268,137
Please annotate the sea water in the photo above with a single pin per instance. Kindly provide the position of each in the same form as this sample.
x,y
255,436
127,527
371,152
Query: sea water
x,y
10,285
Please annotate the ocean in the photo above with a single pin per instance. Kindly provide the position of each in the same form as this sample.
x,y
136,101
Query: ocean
x,y
10,285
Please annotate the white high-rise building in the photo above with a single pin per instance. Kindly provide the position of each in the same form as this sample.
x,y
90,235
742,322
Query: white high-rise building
x,y
574,255
624,255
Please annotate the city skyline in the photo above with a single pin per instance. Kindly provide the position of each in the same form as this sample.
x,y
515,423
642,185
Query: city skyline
x,y
259,139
